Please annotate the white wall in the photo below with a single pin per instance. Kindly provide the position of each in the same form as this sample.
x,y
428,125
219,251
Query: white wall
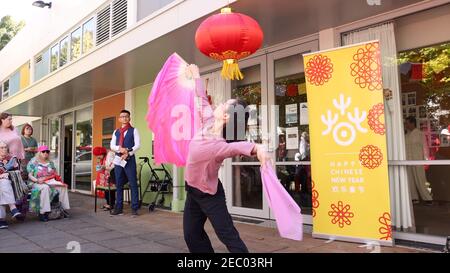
x,y
423,28
43,28
20,120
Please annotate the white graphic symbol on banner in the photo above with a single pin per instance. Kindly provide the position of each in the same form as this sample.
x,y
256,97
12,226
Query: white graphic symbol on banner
x,y
344,133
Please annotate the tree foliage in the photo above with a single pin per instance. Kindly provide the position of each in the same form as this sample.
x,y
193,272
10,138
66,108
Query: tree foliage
x,y
435,59
8,29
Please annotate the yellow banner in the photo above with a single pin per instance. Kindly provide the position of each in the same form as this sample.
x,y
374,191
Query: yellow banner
x,y
348,144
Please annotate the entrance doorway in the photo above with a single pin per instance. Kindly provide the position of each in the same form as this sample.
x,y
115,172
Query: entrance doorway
x,y
74,130
67,148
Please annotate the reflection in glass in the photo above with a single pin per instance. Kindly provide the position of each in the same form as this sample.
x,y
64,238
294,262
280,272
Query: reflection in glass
x,y
54,142
433,217
297,182
88,35
64,51
292,131
290,96
83,149
249,90
68,147
416,149
247,187
54,58
75,44
425,84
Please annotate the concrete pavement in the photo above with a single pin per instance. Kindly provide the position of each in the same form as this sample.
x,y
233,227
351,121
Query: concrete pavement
x,y
159,231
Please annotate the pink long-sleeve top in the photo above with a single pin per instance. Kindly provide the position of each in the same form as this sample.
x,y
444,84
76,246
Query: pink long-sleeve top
x,y
14,142
206,154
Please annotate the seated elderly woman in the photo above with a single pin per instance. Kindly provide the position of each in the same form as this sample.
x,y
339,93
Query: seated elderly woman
x,y
7,198
46,183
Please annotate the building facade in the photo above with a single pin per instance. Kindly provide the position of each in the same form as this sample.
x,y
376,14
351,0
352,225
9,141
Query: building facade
x,y
76,72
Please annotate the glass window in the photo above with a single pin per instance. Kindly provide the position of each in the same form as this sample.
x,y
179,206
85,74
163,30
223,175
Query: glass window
x,y
431,198
6,89
67,147
247,184
249,90
425,91
425,84
75,44
247,187
14,83
290,97
6,85
1,92
83,146
88,35
54,141
54,55
146,7
292,130
42,65
64,51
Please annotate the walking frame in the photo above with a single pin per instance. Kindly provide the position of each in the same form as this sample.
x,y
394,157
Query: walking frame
x,y
155,184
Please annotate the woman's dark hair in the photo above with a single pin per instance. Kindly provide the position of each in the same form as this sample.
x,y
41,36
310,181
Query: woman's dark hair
x,y
25,127
5,115
236,127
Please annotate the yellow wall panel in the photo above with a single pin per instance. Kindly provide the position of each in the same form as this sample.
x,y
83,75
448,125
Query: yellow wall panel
x,y
24,76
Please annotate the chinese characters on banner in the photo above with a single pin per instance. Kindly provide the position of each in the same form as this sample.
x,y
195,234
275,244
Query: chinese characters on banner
x,y
348,144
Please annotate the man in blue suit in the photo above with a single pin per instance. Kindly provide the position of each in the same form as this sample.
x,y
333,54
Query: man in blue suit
x,y
125,142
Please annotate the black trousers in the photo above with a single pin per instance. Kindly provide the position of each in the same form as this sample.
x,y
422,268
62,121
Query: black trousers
x,y
201,206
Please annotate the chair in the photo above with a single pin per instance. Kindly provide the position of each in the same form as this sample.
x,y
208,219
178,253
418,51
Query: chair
x,y
108,188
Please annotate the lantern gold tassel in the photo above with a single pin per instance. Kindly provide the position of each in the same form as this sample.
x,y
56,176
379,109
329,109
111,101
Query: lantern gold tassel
x,y
231,71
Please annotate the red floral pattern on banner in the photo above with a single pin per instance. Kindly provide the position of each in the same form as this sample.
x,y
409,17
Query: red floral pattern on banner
x,y
341,214
367,67
385,229
374,119
370,156
315,199
319,70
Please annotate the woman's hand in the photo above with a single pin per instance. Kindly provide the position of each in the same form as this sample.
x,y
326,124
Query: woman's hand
x,y
262,155
4,176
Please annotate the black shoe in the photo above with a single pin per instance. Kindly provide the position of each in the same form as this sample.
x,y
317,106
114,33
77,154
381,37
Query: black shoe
x,y
43,217
117,212
134,212
15,213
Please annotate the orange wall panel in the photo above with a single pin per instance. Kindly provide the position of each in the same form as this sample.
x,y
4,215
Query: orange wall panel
x,y
105,108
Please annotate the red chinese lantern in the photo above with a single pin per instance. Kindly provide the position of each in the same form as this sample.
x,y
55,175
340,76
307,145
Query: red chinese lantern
x,y
228,37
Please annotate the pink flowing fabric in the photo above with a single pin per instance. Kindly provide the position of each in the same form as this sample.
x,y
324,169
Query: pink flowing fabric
x,y
287,213
172,111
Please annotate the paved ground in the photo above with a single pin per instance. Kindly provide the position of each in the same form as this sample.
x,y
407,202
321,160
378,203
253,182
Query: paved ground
x,y
159,231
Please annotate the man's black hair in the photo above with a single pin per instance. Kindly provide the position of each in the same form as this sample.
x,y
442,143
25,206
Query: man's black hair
x,y
126,111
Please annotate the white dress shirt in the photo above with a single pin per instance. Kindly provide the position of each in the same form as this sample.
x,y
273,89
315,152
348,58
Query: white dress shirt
x,y
137,142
